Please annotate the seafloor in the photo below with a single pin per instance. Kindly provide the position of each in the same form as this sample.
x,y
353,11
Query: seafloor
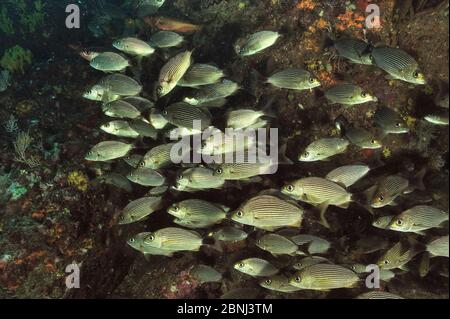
x,y
59,214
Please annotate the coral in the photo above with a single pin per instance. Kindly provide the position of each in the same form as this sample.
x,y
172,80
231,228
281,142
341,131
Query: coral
x,y
184,287
16,190
306,5
21,145
350,19
78,180
15,59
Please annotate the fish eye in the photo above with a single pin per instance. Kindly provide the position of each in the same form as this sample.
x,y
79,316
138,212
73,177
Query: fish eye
x,y
353,267
239,213
219,171
159,90
142,164
363,94
398,124
386,261
306,154
121,218
268,282
150,238
176,208
165,112
131,240
298,279
373,141
399,222
241,265
312,80
290,188
416,75
381,198
180,177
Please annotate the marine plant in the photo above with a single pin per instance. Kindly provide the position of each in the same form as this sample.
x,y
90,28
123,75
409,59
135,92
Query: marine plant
x,y
78,180
30,16
15,59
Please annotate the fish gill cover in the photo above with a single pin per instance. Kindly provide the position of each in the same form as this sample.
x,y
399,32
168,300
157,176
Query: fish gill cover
x,y
224,148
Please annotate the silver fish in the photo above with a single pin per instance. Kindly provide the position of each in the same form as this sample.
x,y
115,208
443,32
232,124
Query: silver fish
x,y
205,274
389,121
201,74
109,62
211,92
324,277
295,79
139,209
348,94
146,176
172,72
256,267
348,175
120,84
121,109
166,39
323,148
257,42
108,150
119,128
133,46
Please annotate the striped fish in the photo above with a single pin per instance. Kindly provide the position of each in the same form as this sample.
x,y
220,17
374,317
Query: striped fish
x,y
383,222
278,283
229,233
418,218
133,46
315,245
144,128
139,209
323,148
183,115
158,157
198,210
438,247
120,109
108,150
309,261
201,74
121,84
156,119
398,256
388,190
211,92
109,62
257,42
198,178
172,72
191,224
244,170
243,118
268,212
204,274
138,243
348,175
175,239
295,79
399,64
376,294
278,245
116,180
348,94
324,277
119,128
146,176
355,50
256,267
142,104
166,39
389,121
362,138
133,160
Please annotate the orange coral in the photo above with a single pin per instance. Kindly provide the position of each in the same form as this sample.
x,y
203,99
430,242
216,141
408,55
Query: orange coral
x,y
306,5
350,19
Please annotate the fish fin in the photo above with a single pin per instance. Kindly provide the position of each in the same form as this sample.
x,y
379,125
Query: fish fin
x,y
341,124
390,77
420,232
345,205
418,179
393,203
363,198
323,208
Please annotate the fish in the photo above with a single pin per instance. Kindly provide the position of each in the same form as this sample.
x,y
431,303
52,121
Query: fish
x,y
139,209
362,138
169,24
398,256
133,46
201,74
211,92
119,128
144,128
229,234
205,274
323,148
245,170
278,245
355,50
389,121
318,192
172,72
257,42
158,190
314,244
294,79
278,283
269,213
108,150
398,64
145,8
378,294
142,104
424,265
243,118
256,267
392,186
138,242
99,93
438,247
109,62
348,175
158,156
418,218
175,239
120,109
191,224
385,275
157,120
383,222
369,244
198,210
166,39
117,180
437,118
187,116
309,261
120,84
219,142
133,160
348,94
198,178
324,276
146,176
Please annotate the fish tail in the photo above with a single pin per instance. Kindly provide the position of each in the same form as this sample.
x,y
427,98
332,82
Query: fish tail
x,y
417,181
